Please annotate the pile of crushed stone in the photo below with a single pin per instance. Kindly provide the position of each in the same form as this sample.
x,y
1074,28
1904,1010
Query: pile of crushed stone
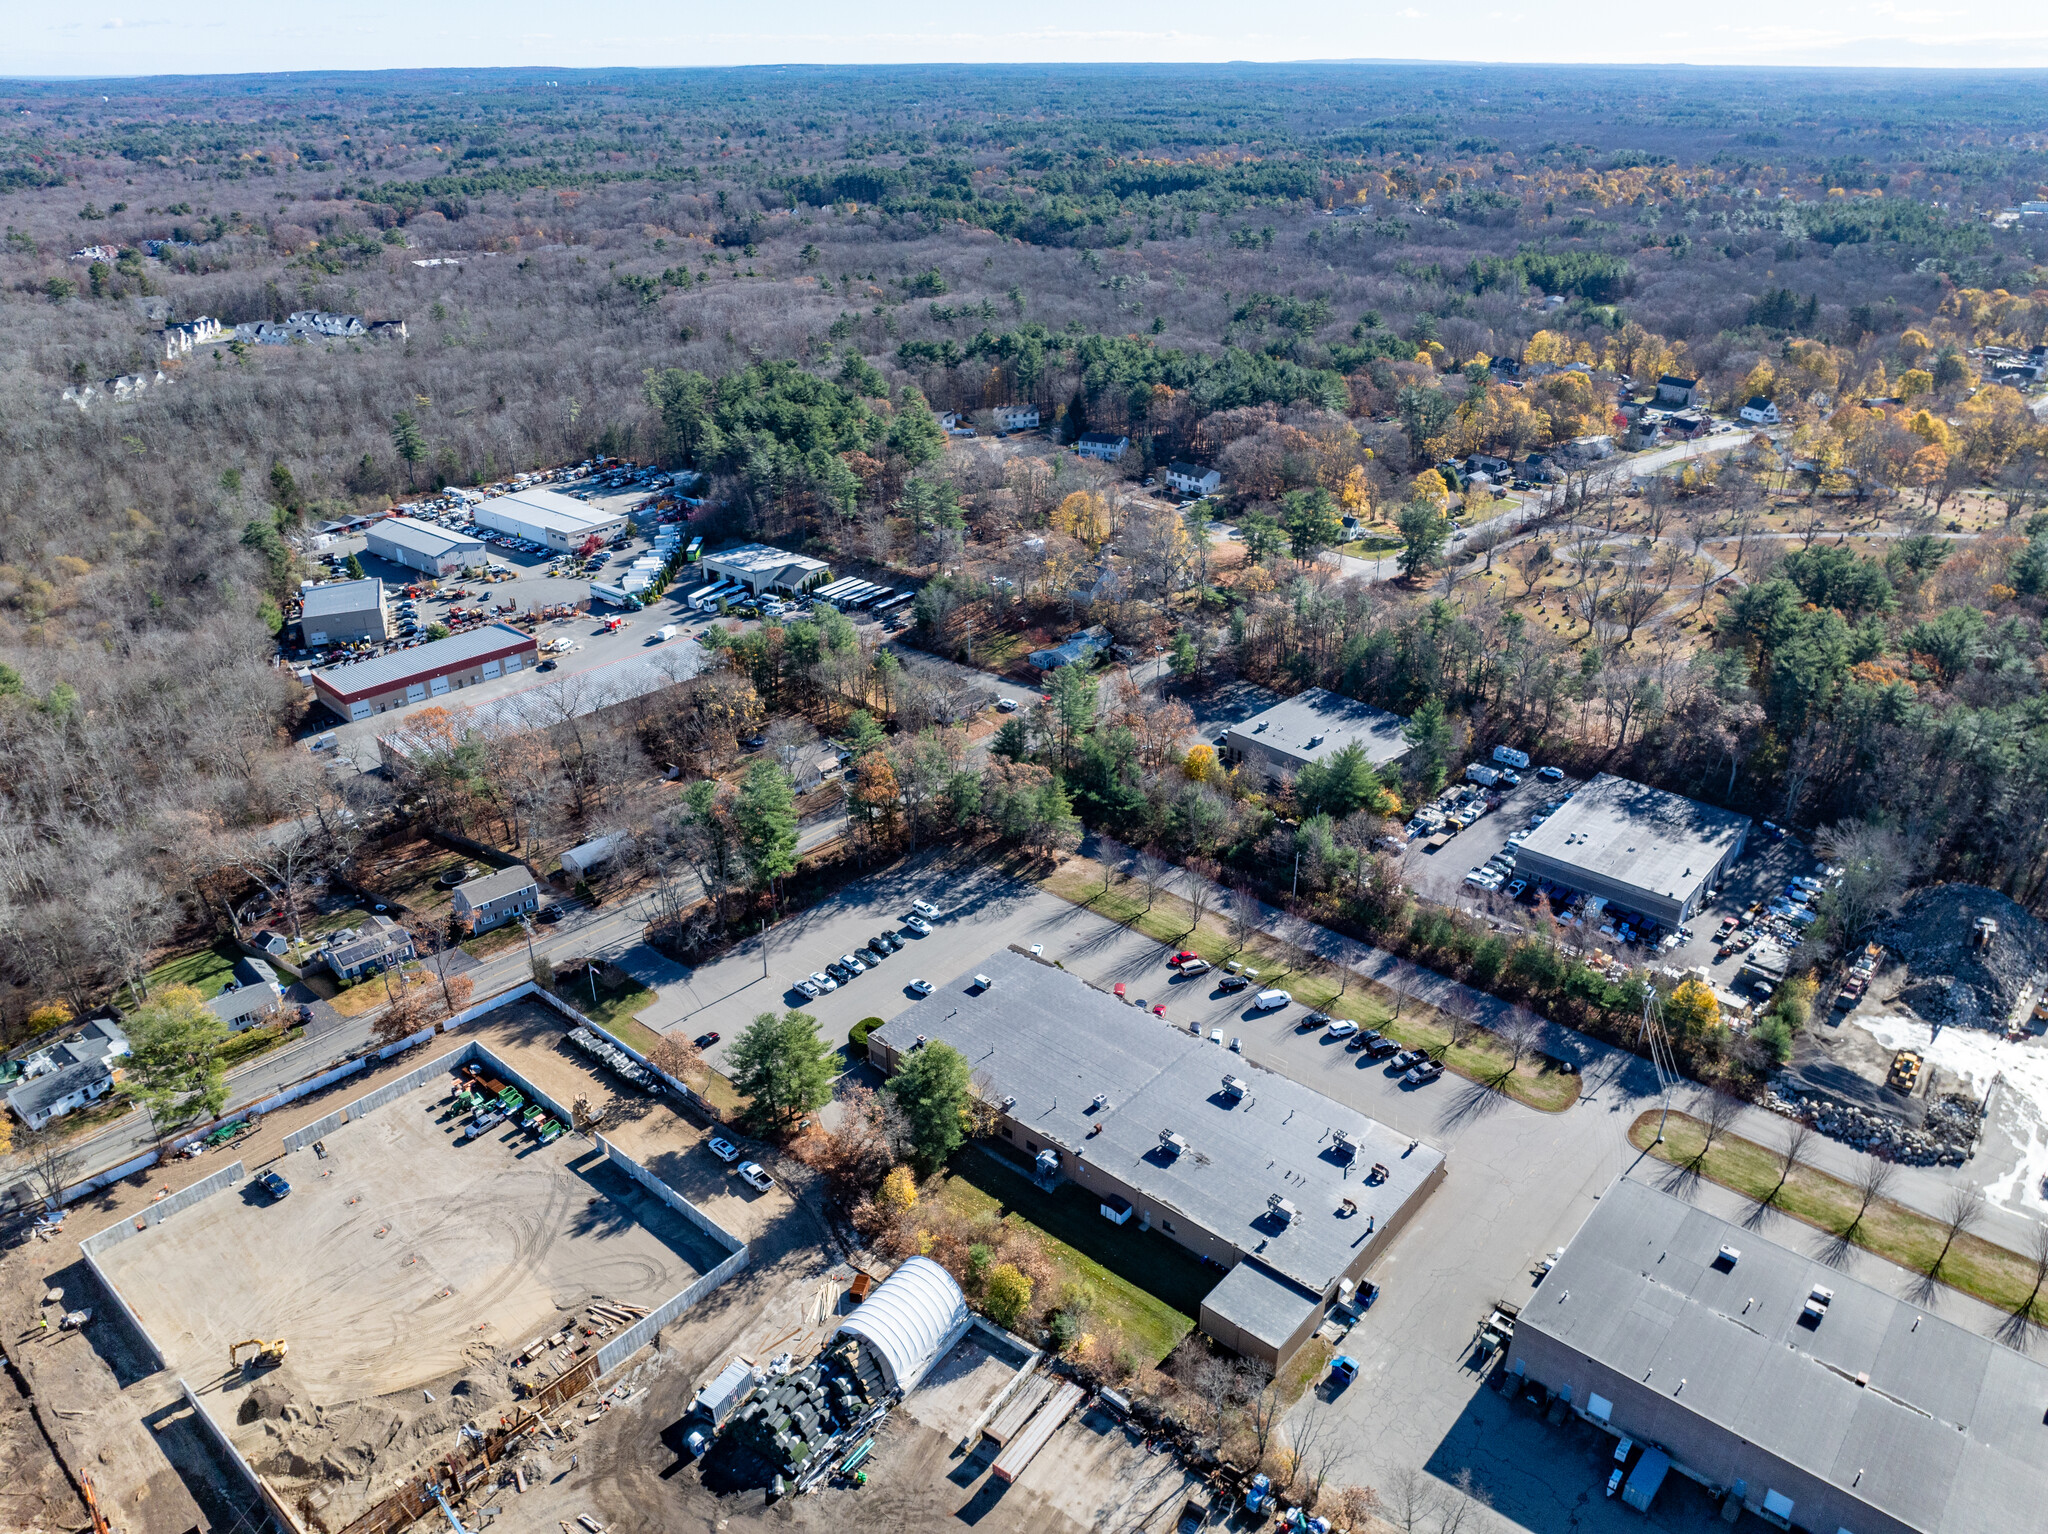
x,y
1951,982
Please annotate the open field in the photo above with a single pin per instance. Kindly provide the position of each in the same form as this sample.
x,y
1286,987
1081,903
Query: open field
x,y
205,970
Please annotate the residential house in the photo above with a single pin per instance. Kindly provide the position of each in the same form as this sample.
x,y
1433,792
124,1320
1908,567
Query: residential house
x,y
378,944
320,323
1016,417
1100,444
1683,393
1082,646
496,898
1192,478
180,339
1760,412
1538,468
1646,430
388,330
1505,367
252,996
77,1070
1487,464
276,944
1686,425
266,333
954,424
1589,449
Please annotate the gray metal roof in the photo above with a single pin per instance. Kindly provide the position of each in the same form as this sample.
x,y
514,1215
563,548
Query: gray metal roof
x,y
422,537
384,672
548,509
1632,834
1314,724
485,888
1053,1042
910,1317
1261,1303
1947,1435
32,1096
342,597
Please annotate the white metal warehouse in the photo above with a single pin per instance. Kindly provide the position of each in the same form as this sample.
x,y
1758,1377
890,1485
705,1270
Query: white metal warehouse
x,y
548,517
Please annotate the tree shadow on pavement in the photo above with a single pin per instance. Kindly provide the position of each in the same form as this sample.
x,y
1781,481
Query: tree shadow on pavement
x,y
1472,1102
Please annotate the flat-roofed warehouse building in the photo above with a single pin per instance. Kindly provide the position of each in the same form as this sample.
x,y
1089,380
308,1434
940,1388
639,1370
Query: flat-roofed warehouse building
x,y
548,517
1254,1177
424,547
1313,725
366,687
1637,847
342,612
1824,1402
761,567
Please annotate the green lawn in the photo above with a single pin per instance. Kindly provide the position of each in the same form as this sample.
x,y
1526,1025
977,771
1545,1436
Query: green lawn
x,y
1148,1286
206,970
497,940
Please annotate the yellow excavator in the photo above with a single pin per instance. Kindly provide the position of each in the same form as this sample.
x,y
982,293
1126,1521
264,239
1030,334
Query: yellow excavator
x,y
268,1354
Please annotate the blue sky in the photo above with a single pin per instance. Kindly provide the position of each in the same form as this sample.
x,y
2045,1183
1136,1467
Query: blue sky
x,y
232,36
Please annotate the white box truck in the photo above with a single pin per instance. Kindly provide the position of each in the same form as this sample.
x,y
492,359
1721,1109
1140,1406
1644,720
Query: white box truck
x,y
1485,776
665,633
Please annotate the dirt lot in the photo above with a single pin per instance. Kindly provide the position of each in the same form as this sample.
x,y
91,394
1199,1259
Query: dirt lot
x,y
401,1254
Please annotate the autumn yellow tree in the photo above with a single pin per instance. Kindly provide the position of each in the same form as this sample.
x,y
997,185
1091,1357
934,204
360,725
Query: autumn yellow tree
x,y
1084,515
1199,765
1691,1011
1355,494
1913,383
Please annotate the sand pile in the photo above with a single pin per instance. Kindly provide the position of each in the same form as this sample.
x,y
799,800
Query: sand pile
x,y
1951,981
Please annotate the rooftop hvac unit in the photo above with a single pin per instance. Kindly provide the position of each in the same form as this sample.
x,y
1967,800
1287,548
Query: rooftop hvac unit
x,y
1281,1209
1101,1100
1234,1088
1342,1145
1009,1103
1170,1143
1817,1302
1048,1161
1728,1257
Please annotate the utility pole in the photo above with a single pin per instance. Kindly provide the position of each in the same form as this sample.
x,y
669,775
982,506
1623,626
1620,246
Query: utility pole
x,y
1652,1033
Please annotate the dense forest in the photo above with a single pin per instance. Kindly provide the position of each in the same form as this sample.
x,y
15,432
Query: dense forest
x,y
1301,274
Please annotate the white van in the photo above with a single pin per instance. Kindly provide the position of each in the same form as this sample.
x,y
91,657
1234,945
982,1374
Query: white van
x,y
1272,1001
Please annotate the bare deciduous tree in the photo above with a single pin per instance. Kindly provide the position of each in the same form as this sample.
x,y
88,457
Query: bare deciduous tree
x,y
1716,1113
1798,1135
1873,1182
2037,1260
1960,1210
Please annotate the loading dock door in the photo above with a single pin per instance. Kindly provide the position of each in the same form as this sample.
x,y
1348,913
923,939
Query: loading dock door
x,y
490,668
439,685
1598,1407
415,692
360,711
1778,1505
511,664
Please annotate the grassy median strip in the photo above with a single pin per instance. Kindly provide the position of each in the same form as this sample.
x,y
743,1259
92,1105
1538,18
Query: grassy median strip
x,y
1889,1230
1480,1056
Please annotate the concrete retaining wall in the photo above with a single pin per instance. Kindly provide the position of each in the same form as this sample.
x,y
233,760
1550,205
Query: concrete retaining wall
x,y
727,1241
405,1043
319,1129
412,1081
643,1331
278,1512
121,1304
121,1230
100,1180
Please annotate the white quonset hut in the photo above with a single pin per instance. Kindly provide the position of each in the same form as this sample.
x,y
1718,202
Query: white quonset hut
x,y
1639,848
910,1320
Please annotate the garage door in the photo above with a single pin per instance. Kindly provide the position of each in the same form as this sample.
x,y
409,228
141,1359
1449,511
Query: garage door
x,y
490,668
415,692
360,711
318,636
1778,1505
511,664
1599,1407
439,685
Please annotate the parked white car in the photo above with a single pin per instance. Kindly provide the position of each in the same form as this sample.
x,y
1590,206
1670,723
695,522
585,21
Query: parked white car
x,y
925,909
1271,1001
724,1149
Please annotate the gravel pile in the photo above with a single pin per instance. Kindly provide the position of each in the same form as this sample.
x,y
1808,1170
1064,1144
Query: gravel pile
x,y
1946,1137
1951,982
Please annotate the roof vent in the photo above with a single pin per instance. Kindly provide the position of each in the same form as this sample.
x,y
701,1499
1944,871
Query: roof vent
x,y
1281,1209
1171,1144
1101,1100
1341,1145
1314,741
1234,1088
1009,1103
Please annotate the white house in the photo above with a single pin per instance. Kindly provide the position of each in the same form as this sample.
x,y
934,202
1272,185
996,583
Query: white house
x,y
1760,412
77,1070
253,995
1016,417
1192,478
318,322
1100,444
180,339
